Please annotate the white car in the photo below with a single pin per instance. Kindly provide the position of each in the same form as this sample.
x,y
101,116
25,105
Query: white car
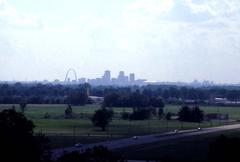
x,y
135,137
199,129
175,131
78,145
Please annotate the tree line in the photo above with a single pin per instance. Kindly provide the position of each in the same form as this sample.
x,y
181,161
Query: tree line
x,y
77,94
43,94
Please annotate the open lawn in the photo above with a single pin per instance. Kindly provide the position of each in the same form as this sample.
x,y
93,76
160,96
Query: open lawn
x,y
34,111
38,110
64,132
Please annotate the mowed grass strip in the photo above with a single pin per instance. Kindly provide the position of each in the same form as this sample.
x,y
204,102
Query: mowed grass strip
x,y
39,110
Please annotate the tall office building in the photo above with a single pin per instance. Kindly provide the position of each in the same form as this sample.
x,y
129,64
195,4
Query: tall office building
x,y
107,77
122,79
132,77
121,76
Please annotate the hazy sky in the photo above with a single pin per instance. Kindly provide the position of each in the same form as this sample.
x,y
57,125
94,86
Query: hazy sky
x,y
163,40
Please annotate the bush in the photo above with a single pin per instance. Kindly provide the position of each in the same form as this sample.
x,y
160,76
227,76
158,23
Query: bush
x,y
46,116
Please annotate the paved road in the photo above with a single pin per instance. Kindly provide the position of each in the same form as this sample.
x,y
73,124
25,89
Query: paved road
x,y
121,143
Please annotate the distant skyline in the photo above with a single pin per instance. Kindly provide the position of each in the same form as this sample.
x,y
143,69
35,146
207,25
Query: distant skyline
x,y
160,40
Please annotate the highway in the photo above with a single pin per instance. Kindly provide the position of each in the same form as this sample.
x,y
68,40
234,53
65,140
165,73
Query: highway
x,y
126,142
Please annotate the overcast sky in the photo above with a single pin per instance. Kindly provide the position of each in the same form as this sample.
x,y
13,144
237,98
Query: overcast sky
x,y
160,40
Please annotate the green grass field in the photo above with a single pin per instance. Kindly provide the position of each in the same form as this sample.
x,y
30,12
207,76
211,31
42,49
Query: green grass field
x,y
64,132
38,111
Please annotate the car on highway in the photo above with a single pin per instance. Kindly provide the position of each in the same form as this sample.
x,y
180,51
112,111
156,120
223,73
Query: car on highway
x,y
199,129
135,137
78,145
176,131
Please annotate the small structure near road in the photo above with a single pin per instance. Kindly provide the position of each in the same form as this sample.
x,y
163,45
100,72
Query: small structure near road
x,y
97,99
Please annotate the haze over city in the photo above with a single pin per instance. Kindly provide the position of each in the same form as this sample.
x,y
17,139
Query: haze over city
x,y
159,40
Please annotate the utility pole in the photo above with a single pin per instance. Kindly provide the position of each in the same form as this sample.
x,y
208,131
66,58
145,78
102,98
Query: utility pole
x,y
167,124
148,125
74,135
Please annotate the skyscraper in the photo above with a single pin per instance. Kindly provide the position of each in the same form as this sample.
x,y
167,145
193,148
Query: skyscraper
x,y
132,77
122,79
107,77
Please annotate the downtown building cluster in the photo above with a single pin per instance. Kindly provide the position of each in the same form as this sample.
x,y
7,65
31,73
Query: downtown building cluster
x,y
106,79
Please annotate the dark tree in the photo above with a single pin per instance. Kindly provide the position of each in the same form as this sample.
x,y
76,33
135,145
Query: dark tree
x,y
102,117
168,116
79,97
160,113
166,94
111,99
23,106
157,102
197,114
190,114
141,114
68,111
17,141
184,114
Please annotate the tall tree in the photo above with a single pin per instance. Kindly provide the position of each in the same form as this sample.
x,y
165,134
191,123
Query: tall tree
x,y
197,114
160,113
184,114
68,111
23,106
102,117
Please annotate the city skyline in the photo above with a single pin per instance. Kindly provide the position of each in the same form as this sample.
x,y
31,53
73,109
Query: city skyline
x,y
121,79
106,79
